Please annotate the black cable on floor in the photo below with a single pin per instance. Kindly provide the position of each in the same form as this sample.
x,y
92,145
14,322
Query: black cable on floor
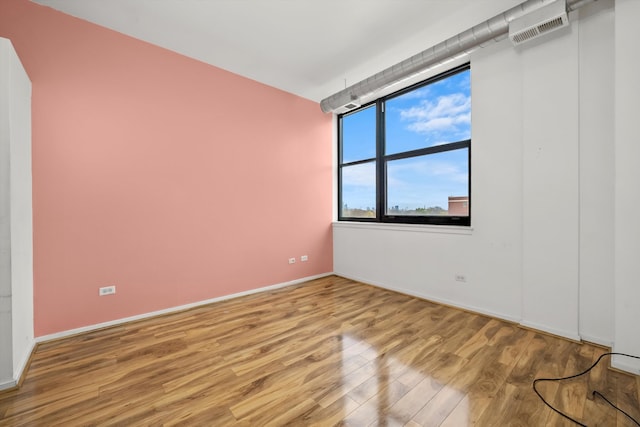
x,y
594,392
597,393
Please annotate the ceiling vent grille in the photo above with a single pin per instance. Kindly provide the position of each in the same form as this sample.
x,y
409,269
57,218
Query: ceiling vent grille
x,y
546,19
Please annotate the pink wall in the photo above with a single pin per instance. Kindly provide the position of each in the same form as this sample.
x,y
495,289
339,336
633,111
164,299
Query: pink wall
x,y
174,180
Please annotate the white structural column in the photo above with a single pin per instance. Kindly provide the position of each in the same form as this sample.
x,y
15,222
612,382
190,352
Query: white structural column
x,y
16,236
627,188
550,184
6,357
597,171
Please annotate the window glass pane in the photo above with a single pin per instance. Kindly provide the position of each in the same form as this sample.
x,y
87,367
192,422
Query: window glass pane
x,y
359,135
435,184
359,190
435,114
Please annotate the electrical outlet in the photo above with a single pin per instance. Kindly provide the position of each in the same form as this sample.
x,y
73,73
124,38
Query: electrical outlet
x,y
107,290
292,260
461,278
304,258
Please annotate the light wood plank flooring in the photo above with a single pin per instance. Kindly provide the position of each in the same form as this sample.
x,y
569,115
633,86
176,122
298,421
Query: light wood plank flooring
x,y
328,352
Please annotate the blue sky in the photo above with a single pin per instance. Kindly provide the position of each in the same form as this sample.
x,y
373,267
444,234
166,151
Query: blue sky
x,y
431,115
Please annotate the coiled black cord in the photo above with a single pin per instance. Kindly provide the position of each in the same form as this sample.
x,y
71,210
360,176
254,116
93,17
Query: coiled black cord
x,y
594,392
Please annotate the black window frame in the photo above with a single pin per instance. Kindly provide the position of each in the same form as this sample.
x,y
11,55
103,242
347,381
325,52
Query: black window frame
x,y
381,160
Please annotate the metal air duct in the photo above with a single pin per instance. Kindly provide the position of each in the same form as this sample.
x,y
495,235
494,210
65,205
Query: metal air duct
x,y
494,29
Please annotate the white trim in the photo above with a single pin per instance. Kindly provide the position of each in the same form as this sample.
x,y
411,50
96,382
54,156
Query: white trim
x,y
597,340
8,384
23,364
18,373
532,325
431,298
623,366
76,331
423,228
559,332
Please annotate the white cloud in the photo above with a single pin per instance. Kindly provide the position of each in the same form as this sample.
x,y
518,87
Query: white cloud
x,y
448,105
450,114
363,175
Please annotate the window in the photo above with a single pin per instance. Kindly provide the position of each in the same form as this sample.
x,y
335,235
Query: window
x,y
406,157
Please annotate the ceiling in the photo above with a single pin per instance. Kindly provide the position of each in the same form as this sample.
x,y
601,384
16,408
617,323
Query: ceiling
x,y
312,48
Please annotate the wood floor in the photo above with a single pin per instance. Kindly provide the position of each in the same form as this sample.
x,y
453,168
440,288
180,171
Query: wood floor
x,y
328,352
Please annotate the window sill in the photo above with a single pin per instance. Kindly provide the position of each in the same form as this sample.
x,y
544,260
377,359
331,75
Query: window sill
x,y
416,228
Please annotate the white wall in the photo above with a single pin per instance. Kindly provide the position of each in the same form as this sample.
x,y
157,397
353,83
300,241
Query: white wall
x,y
536,208
16,240
627,185
423,261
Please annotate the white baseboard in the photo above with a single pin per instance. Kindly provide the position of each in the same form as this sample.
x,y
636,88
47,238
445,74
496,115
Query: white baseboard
x,y
428,297
76,331
625,364
532,325
617,363
597,340
4,385
559,332
22,365
19,369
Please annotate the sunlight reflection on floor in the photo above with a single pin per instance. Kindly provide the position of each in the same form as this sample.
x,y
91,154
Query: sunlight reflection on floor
x,y
390,392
